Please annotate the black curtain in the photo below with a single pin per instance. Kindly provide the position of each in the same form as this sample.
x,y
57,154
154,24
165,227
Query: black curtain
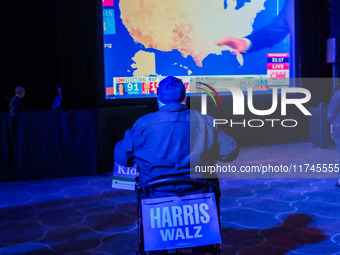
x,y
81,52
313,30
313,17
48,144
335,33
335,18
29,50
46,43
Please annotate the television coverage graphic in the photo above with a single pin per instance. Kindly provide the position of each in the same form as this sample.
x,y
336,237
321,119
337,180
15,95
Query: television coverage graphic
x,y
109,25
107,2
154,39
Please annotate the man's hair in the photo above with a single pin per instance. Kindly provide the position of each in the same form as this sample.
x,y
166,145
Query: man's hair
x,y
171,90
19,91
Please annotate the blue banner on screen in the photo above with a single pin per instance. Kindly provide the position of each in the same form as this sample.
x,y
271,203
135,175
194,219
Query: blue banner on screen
x,y
109,25
124,177
180,222
144,41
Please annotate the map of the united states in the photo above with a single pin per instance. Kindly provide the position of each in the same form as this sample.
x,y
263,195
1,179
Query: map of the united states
x,y
190,26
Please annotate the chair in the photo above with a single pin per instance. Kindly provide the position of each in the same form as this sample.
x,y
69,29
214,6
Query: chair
x,y
194,200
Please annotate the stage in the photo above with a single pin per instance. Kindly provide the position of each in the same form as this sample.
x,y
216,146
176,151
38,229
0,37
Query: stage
x,y
84,215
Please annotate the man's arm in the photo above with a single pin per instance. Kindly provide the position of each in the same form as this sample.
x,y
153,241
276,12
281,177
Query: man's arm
x,y
239,45
333,107
218,145
123,153
271,34
56,103
268,36
228,150
16,106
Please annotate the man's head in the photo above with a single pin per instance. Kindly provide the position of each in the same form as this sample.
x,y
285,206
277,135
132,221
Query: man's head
x,y
171,90
20,92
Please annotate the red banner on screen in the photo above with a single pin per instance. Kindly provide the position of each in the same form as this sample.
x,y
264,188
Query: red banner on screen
x,y
261,88
107,2
278,55
275,66
109,91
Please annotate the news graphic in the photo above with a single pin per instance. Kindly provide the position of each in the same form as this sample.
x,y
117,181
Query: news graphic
x,y
278,66
109,25
108,3
154,39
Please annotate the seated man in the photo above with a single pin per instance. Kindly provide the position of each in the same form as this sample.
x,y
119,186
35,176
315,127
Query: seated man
x,y
165,143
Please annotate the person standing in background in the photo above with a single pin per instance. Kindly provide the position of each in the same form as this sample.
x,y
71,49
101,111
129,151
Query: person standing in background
x,y
17,105
333,116
57,100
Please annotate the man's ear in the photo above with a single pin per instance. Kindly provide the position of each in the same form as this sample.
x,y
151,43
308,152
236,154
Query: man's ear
x,y
184,101
160,104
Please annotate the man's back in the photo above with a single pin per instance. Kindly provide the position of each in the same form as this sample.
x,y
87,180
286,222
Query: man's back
x,y
16,105
166,142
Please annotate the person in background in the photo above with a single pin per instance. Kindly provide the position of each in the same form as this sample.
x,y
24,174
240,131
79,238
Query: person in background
x,y
121,90
57,100
333,116
17,105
